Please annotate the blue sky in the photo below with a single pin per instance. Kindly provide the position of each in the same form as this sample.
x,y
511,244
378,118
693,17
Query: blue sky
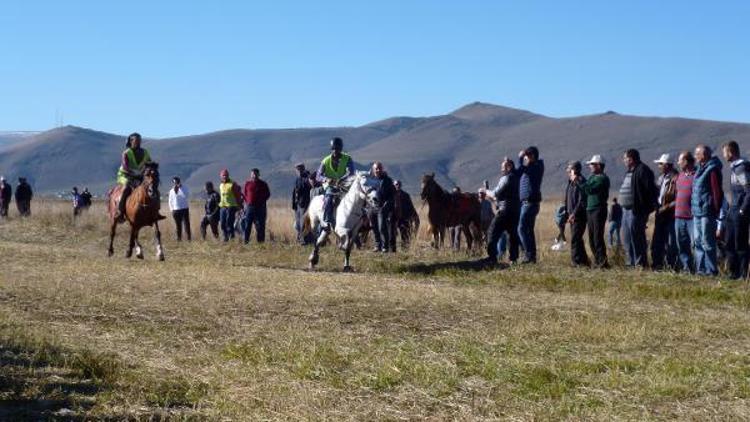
x,y
170,68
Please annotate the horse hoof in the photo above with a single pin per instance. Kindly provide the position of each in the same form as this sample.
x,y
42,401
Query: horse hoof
x,y
161,257
110,253
128,255
139,256
348,269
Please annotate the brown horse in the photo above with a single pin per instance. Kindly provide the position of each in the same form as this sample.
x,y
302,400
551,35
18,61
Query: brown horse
x,y
141,210
449,210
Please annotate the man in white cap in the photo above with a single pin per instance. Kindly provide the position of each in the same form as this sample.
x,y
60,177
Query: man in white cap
x,y
6,194
596,189
664,240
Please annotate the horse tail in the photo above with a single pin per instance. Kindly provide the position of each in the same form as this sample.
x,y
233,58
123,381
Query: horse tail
x,y
306,224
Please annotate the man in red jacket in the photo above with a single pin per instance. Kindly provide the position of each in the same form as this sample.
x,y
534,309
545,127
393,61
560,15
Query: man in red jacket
x,y
256,194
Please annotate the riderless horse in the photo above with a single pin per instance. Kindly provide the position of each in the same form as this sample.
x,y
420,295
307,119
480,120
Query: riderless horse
x,y
449,210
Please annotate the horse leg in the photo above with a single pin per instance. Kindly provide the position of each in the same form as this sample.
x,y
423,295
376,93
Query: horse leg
x,y
469,237
112,230
131,243
347,253
314,256
157,240
138,248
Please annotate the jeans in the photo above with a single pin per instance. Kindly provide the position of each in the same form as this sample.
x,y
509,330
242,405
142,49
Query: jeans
x,y
578,254
737,243
254,215
704,233
503,223
182,219
614,233
299,217
597,221
226,217
664,243
634,237
384,229
684,232
526,223
502,244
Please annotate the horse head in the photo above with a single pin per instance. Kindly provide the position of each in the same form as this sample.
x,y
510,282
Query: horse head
x,y
151,180
366,187
429,186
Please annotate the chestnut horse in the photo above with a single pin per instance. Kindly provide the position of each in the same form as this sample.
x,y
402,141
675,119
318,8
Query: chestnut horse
x,y
141,210
451,209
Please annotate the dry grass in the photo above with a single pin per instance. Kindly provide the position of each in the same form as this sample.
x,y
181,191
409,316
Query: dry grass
x,y
245,333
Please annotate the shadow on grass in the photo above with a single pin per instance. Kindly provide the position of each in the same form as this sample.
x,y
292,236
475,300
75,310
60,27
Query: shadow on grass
x,y
442,267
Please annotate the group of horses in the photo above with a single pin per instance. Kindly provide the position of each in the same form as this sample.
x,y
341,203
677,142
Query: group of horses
x,y
359,191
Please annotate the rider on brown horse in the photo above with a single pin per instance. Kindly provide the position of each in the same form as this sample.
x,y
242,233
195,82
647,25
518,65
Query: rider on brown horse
x,y
130,174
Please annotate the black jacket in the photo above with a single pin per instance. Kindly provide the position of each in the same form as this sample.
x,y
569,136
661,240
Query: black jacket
x,y
301,192
7,193
645,192
403,206
23,192
212,205
386,193
575,199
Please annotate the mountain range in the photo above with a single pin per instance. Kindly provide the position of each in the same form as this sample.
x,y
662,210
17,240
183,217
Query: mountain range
x,y
463,148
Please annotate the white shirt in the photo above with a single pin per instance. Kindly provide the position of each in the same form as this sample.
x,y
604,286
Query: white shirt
x,y
179,200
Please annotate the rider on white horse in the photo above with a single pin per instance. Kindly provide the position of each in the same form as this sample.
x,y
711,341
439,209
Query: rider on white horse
x,y
335,167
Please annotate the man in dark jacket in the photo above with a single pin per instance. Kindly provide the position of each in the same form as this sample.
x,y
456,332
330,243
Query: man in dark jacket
x,y
737,221
531,172
664,240
705,204
575,207
508,207
638,199
405,214
211,216
383,223
256,194
300,202
86,198
23,197
6,194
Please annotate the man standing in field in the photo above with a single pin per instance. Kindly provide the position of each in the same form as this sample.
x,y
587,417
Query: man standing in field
x,y
179,205
508,208
77,201
638,199
24,194
738,218
706,201
683,216
664,240
300,202
230,196
385,218
575,207
256,195
531,172
406,215
596,189
6,194
334,167
211,207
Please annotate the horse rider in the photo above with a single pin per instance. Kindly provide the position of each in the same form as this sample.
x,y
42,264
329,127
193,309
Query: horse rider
x,y
335,167
130,174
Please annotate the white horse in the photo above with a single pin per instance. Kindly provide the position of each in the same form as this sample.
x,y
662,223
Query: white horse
x,y
349,215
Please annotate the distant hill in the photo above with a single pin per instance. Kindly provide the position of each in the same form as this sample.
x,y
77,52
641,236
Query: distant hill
x,y
463,148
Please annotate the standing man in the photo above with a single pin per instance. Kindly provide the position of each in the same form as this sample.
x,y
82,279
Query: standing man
x,y
664,240
256,195
6,194
230,199
596,189
386,224
24,194
300,202
683,215
406,215
531,172
333,168
706,203
738,218
179,204
77,202
615,222
211,207
638,199
575,207
508,208
86,198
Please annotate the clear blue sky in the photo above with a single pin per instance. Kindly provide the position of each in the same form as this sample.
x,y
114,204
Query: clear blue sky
x,y
169,68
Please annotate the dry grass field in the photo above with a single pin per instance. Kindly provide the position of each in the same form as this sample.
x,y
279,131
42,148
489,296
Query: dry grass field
x,y
231,332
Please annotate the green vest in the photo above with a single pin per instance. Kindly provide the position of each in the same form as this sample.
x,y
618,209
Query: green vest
x,y
226,192
335,173
135,167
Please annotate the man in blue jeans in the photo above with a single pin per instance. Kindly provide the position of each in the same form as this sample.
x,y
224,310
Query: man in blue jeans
x,y
705,205
531,172
638,198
